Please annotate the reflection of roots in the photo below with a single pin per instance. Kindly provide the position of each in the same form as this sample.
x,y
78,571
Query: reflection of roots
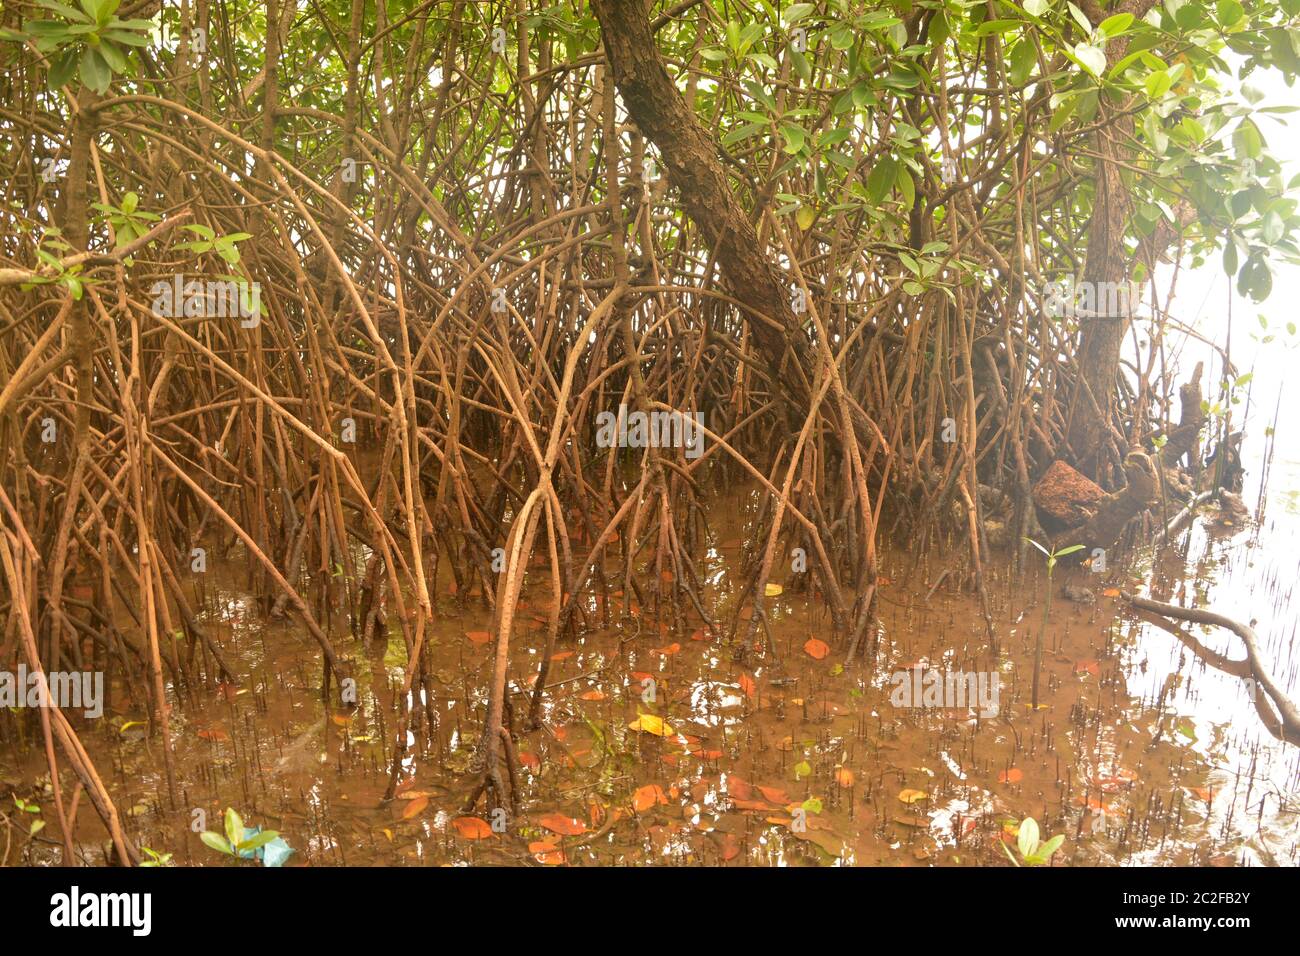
x,y
1279,713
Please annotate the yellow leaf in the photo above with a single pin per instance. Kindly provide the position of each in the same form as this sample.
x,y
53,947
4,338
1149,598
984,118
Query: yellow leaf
x,y
772,590
651,724
912,796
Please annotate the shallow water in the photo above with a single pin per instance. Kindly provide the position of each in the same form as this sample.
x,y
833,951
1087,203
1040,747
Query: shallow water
x,y
1140,753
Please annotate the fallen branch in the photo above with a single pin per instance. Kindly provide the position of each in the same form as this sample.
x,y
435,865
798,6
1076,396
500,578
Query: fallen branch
x,y
1287,709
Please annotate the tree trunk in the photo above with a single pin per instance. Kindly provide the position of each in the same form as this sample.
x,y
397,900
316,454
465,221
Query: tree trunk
x,y
691,160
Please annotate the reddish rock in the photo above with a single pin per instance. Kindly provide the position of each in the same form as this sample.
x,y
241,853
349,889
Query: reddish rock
x,y
1065,496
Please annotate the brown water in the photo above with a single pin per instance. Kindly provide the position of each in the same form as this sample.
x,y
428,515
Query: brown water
x,y
1139,753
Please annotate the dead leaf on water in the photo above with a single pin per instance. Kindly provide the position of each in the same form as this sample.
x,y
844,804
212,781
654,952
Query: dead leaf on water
x,y
816,649
647,797
559,823
547,851
471,828
415,807
650,724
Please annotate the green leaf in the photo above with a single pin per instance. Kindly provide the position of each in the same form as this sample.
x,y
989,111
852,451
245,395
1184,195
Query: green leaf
x,y
1228,12
1023,58
62,68
259,840
1091,58
217,842
906,186
1027,836
794,138
1246,140
1117,24
234,826
1070,550
1051,846
94,71
881,179
797,11
1157,84
1082,20
114,57
1036,8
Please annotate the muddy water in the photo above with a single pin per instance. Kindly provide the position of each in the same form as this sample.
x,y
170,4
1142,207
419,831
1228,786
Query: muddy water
x,y
1139,752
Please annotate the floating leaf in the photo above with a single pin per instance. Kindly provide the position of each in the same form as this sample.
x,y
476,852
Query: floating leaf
x,y
773,590
912,796
547,851
471,828
415,807
1014,775
647,797
844,777
650,724
816,648
559,823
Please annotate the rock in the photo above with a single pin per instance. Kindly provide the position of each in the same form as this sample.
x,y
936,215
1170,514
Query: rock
x,y
1078,595
1065,496
1233,504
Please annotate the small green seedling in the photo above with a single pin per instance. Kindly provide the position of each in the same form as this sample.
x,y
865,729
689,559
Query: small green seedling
x,y
1052,558
156,859
25,806
236,842
1031,851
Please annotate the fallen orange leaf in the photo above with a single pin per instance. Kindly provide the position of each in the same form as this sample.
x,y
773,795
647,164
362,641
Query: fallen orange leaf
x,y
1014,775
559,823
739,788
478,637
647,796
546,851
415,807
816,649
472,828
